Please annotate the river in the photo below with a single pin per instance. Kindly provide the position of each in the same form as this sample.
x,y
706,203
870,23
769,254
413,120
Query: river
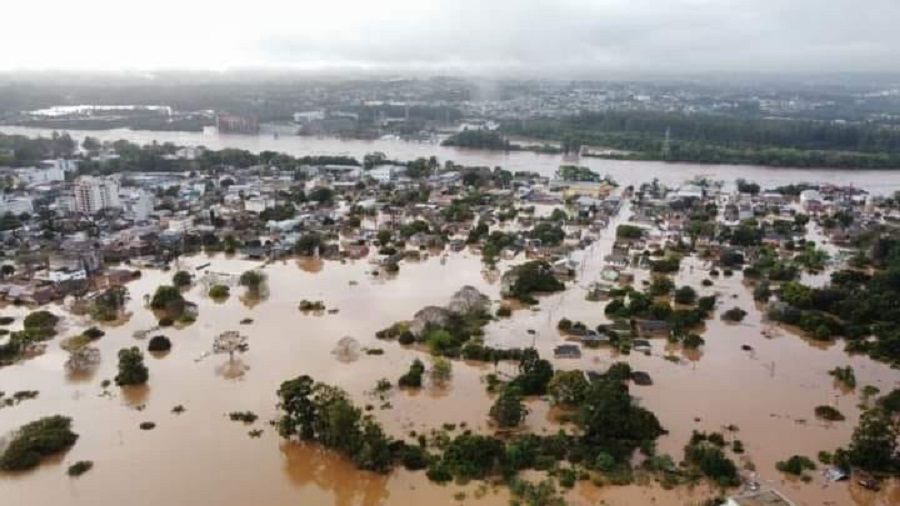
x,y
882,182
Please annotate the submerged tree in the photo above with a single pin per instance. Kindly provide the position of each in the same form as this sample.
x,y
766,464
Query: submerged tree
x,y
231,342
508,410
83,359
253,280
132,370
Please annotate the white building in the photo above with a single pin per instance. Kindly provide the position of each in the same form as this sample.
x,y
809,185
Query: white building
x,y
16,205
61,164
386,173
93,194
258,204
39,175
141,205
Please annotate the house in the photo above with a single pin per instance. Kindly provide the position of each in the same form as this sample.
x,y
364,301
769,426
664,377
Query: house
x,y
653,327
567,351
564,267
811,200
592,337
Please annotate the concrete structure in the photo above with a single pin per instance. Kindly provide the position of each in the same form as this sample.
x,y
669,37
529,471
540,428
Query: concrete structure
x,y
386,173
141,205
40,175
16,205
94,194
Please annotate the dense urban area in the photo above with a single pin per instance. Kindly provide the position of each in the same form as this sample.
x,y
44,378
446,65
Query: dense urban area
x,y
357,327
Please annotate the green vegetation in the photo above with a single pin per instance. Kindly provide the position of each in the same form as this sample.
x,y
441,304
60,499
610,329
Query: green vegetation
x,y
531,278
312,305
36,440
182,279
626,231
568,388
132,370
413,377
159,344
796,465
246,417
107,305
219,292
79,468
253,280
38,326
734,314
721,139
829,413
874,445
607,419
317,412
477,139
844,375
441,370
576,173
168,298
705,453
508,411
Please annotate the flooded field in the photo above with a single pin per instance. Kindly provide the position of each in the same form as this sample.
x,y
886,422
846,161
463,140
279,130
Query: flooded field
x,y
200,456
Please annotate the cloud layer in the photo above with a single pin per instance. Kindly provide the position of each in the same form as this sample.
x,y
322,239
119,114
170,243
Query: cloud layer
x,y
532,37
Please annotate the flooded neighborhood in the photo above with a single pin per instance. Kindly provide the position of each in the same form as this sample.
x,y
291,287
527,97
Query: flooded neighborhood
x,y
456,304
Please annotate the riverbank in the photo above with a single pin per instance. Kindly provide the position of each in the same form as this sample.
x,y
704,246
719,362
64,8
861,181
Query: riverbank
x,y
625,172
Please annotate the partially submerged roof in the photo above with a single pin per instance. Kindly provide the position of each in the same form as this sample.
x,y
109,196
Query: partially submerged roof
x,y
765,498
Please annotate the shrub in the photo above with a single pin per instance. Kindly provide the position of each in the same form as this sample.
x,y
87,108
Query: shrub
x,y
829,413
796,465
252,279
6,320
413,377
844,375
693,341
159,344
504,311
685,295
734,314
167,298
36,440
93,333
166,321
564,325
181,279
407,338
79,468
246,417
219,292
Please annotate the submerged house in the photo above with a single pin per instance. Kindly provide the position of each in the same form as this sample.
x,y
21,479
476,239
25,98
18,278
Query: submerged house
x,y
567,351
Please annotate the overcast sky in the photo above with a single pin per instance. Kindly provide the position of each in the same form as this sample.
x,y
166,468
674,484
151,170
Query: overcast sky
x,y
581,37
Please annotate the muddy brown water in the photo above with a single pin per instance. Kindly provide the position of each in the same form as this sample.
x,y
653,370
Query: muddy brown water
x,y
201,457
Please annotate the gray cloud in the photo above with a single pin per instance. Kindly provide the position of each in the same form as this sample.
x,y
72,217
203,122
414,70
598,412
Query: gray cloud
x,y
598,36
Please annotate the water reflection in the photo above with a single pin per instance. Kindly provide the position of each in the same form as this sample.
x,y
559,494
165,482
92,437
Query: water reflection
x,y
307,465
232,369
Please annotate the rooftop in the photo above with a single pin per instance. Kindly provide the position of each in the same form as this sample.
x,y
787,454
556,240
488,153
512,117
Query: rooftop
x,y
766,498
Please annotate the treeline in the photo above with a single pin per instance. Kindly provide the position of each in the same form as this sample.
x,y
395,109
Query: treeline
x,y
157,158
716,139
478,139
19,150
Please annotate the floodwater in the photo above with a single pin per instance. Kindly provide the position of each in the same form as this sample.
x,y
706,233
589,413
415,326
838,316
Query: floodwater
x,y
201,457
625,172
